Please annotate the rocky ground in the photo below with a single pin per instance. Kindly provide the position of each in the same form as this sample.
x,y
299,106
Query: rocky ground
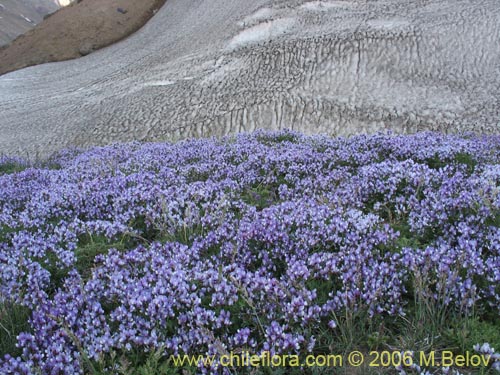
x,y
213,67
77,30
19,16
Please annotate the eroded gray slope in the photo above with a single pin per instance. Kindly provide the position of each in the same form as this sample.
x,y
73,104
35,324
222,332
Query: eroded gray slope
x,y
214,67
19,16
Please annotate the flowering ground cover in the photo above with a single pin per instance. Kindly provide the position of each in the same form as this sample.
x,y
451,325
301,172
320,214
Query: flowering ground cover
x,y
115,258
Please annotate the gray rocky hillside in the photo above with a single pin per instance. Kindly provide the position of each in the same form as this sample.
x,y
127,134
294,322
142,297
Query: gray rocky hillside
x,y
19,16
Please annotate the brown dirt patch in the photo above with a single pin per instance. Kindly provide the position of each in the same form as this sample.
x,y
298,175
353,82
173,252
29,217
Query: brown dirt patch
x,y
77,30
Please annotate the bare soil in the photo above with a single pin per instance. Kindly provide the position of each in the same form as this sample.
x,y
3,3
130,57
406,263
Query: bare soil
x,y
77,30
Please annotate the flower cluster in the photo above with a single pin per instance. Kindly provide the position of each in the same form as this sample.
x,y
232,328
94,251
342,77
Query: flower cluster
x,y
253,242
487,350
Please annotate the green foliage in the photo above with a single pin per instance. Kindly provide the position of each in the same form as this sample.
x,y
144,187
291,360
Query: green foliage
x,y
153,363
466,159
194,175
149,232
57,271
435,162
260,197
87,250
494,220
90,247
461,158
13,321
282,137
323,288
9,168
464,333
406,237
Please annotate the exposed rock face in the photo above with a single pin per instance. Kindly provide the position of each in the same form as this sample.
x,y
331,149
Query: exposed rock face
x,y
19,16
214,67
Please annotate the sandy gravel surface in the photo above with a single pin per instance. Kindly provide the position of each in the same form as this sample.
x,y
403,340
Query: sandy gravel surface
x,y
77,30
213,67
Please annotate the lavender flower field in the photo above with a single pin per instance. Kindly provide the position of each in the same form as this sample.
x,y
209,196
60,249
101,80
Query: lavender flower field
x,y
115,258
